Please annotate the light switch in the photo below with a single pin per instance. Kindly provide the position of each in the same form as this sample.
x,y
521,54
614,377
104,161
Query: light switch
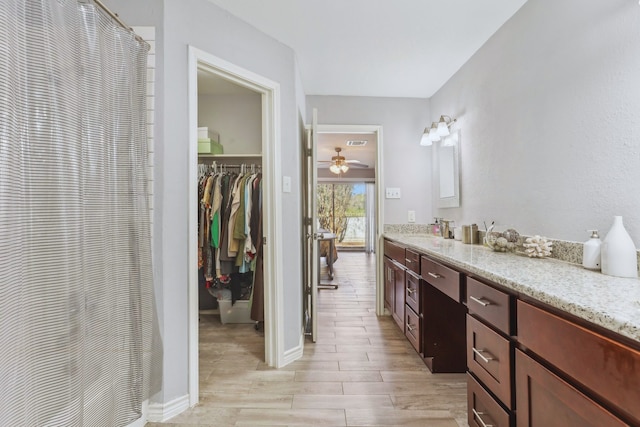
x,y
286,184
411,217
393,193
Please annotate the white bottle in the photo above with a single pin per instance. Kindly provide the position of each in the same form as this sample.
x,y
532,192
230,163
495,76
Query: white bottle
x,y
591,251
618,253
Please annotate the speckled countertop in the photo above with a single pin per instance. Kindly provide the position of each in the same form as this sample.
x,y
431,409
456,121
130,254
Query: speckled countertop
x,y
611,302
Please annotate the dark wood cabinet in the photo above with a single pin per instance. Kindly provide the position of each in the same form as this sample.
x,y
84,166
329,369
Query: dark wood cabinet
x,y
394,282
546,400
489,358
398,292
594,363
443,331
389,284
528,364
394,290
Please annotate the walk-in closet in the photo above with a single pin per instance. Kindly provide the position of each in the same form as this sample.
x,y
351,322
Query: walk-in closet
x,y
230,247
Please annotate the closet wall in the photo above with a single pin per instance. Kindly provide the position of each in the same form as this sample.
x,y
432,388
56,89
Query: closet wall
x,y
237,117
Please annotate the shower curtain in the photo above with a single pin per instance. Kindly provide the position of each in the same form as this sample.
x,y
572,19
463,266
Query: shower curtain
x,y
75,257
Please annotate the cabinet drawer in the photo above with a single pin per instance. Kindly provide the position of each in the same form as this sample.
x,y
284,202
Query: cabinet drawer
x,y
413,328
394,251
490,304
608,368
482,409
543,400
440,277
412,260
412,291
489,358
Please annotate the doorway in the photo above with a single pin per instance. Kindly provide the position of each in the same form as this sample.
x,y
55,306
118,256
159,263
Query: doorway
x,y
346,144
269,98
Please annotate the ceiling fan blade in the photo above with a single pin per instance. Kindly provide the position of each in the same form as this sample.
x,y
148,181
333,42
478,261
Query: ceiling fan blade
x,y
353,161
358,165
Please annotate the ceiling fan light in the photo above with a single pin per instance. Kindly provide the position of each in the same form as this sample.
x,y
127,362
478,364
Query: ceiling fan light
x,y
344,168
335,169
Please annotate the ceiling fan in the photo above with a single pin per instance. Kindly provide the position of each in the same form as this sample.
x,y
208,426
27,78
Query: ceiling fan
x,y
341,165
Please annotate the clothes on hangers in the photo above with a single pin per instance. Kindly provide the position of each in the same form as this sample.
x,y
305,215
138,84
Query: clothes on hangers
x,y
229,226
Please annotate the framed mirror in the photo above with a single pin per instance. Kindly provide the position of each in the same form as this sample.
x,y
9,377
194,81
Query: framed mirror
x,y
446,171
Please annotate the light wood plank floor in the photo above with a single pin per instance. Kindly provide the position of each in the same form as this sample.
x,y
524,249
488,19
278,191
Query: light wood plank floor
x,y
360,372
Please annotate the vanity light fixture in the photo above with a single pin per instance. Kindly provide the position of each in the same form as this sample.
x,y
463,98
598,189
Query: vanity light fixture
x,y
437,130
444,124
433,132
425,141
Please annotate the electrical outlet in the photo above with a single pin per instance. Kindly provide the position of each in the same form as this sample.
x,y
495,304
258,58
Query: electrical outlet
x,y
393,193
411,217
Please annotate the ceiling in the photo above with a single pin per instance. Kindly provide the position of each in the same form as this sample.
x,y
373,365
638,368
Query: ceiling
x,y
387,48
327,143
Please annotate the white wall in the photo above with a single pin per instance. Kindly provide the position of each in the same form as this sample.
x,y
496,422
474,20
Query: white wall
x,y
237,118
549,110
407,165
181,23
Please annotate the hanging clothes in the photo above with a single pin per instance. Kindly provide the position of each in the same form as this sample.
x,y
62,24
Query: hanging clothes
x,y
229,227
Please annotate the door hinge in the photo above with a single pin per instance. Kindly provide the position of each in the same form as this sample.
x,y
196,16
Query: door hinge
x,y
309,152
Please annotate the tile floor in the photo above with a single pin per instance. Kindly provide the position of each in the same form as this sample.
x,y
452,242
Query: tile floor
x,y
360,372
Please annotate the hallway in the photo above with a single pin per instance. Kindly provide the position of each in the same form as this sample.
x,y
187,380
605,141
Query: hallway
x,y
361,372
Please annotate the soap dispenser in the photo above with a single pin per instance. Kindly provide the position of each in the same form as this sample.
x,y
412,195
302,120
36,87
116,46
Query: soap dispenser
x,y
591,251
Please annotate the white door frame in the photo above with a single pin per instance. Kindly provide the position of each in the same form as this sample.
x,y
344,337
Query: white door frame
x,y
377,130
271,212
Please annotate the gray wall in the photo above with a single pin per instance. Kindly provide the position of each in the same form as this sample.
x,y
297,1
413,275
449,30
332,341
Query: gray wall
x,y
549,114
407,165
237,118
180,23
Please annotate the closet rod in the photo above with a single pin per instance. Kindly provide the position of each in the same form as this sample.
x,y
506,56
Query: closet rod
x,y
116,18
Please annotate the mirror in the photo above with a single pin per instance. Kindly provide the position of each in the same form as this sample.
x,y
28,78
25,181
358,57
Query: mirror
x,y
446,171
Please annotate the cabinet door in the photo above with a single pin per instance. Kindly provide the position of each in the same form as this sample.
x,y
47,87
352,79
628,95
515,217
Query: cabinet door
x,y
399,290
545,400
389,285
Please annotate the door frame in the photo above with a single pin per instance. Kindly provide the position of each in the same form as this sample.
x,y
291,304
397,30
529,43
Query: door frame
x,y
271,212
379,184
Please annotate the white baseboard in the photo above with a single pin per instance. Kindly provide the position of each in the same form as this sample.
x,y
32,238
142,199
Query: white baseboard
x,y
161,412
295,353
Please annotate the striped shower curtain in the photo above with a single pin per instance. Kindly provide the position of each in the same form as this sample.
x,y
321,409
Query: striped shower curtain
x,y
75,257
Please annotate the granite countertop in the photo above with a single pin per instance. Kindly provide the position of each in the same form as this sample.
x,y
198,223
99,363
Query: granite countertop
x,y
611,302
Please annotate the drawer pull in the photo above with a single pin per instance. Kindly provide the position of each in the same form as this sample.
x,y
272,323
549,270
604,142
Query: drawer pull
x,y
410,327
480,301
434,275
408,260
485,359
478,416
411,290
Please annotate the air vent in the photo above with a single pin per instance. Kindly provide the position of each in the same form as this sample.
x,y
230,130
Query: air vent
x,y
356,143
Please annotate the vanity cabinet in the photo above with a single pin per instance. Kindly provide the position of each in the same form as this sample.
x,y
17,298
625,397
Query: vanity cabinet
x,y
574,371
489,355
528,364
544,399
443,317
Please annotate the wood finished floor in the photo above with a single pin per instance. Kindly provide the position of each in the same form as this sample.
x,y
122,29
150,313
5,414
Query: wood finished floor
x,y
361,371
